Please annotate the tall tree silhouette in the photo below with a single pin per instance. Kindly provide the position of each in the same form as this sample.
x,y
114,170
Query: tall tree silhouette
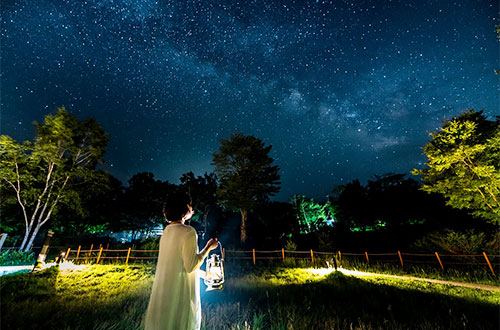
x,y
246,175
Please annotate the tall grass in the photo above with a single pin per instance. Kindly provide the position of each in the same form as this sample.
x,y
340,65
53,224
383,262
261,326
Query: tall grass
x,y
477,273
116,297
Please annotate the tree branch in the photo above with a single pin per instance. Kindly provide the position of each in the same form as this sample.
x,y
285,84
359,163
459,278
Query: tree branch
x,y
484,197
18,194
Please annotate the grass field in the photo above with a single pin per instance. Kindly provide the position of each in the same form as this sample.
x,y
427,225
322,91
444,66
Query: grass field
x,y
116,297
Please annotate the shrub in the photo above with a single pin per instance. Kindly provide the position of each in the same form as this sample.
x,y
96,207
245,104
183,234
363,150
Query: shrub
x,y
150,243
12,257
468,242
290,245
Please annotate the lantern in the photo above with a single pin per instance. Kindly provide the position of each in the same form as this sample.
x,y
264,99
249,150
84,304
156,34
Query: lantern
x,y
214,276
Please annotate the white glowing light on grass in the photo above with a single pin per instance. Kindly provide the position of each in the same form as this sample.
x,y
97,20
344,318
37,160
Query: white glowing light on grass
x,y
326,271
355,272
67,265
320,271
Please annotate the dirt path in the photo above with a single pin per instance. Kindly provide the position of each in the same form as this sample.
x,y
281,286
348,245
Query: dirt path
x,y
463,284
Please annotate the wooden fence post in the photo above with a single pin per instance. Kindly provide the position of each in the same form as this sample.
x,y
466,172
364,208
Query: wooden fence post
x,y
91,246
400,258
283,253
367,260
253,252
312,256
439,259
223,253
67,254
128,255
99,256
340,257
489,264
78,252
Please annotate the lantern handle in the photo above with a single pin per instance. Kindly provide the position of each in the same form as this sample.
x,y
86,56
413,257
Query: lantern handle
x,y
221,252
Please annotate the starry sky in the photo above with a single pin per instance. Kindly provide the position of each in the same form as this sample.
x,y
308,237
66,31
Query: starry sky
x,y
340,89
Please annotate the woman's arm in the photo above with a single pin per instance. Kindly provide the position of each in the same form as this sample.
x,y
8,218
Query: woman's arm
x,y
191,258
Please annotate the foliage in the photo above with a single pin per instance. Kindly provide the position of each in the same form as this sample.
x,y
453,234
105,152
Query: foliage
x,y
310,214
464,164
116,297
143,201
290,245
246,175
276,223
150,243
468,242
203,192
101,209
43,175
11,257
390,202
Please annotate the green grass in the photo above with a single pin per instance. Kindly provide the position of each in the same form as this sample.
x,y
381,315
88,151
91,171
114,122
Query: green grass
x,y
479,273
116,297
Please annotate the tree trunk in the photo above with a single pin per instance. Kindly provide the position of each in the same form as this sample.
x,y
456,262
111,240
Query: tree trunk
x,y
32,238
244,215
25,239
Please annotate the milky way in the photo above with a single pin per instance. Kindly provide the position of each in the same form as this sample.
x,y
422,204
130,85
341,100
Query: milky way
x,y
340,89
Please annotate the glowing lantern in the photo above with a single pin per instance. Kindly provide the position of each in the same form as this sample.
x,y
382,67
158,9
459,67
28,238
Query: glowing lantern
x,y
214,276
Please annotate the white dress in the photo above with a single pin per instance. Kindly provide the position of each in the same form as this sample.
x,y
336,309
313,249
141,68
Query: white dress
x,y
175,298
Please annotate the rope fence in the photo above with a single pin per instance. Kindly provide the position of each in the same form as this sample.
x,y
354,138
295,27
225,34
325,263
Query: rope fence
x,y
483,260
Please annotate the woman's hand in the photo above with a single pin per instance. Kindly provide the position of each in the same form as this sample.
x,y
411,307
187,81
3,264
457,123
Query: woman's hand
x,y
211,244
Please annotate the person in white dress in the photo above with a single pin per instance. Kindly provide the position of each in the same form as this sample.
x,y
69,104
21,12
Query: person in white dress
x,y
175,298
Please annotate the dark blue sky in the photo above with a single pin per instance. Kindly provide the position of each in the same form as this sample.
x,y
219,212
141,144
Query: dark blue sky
x,y
341,89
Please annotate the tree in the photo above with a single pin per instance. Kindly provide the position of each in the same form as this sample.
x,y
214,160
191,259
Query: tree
x,y
352,206
310,214
143,201
246,175
100,208
203,192
464,164
42,174
276,223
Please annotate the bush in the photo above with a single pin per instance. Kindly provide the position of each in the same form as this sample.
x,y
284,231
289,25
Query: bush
x,y
150,243
468,242
290,245
12,257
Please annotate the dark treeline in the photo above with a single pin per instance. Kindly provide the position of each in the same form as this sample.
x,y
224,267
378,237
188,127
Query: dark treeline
x,y
56,178
390,211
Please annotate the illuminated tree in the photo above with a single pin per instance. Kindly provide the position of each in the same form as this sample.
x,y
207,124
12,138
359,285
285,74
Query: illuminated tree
x,y
310,214
246,175
42,174
464,164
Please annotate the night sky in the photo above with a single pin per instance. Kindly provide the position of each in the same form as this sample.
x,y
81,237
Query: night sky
x,y
341,89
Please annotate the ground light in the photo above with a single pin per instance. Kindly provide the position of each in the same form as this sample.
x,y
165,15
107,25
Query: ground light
x,y
326,271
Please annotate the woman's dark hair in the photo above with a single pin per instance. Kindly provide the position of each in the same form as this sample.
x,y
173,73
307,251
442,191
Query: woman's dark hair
x,y
176,205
